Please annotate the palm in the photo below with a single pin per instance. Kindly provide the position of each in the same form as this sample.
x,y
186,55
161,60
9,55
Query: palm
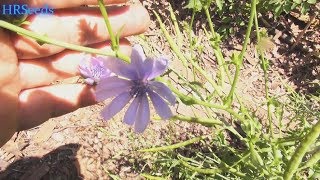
x,y
27,69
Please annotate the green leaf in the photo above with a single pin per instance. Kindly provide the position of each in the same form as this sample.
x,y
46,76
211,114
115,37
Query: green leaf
x,y
305,8
219,3
297,1
206,3
312,1
278,10
194,4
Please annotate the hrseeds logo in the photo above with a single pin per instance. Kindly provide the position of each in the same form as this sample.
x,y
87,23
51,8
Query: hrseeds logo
x,y
23,9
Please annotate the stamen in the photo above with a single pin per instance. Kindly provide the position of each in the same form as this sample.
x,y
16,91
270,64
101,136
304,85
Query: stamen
x,y
97,71
139,88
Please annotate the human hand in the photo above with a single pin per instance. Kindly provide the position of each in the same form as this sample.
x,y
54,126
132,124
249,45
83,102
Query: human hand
x,y
27,69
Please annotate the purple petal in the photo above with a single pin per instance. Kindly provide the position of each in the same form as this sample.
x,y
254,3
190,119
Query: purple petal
x,y
138,53
121,68
160,105
105,74
112,82
143,115
158,67
99,61
137,59
131,114
95,62
111,86
116,105
163,91
84,71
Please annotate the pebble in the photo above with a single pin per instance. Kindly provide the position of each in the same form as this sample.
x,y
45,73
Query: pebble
x,y
84,160
96,140
100,145
91,167
65,122
90,141
100,135
99,151
98,163
95,155
76,139
58,137
90,161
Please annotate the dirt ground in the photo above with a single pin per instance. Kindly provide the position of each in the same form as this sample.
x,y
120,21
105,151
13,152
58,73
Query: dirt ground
x,y
80,145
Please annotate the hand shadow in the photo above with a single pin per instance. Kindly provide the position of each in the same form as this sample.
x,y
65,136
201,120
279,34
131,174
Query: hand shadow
x,y
60,163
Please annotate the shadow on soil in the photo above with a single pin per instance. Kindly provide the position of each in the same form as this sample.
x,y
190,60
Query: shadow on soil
x,y
60,163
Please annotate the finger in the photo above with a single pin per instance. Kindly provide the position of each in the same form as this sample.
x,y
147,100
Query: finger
x,y
60,3
39,104
44,71
80,27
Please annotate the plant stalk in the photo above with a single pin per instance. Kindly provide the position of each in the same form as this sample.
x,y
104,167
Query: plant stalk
x,y
299,153
48,40
103,10
244,48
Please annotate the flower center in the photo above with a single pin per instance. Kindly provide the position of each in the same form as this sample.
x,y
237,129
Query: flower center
x,y
138,88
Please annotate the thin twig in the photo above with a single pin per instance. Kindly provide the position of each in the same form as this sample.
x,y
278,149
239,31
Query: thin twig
x,y
300,35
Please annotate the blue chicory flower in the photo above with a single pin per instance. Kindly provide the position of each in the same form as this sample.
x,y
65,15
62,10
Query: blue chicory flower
x,y
93,69
135,82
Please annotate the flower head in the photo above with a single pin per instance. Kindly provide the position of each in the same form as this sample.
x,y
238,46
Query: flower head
x,y
93,70
135,81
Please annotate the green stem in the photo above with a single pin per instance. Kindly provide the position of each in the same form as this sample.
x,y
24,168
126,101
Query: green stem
x,y
312,161
234,84
191,86
173,45
212,171
247,38
176,26
48,40
173,146
226,167
256,159
200,170
114,45
206,10
190,100
266,80
184,60
220,59
203,121
296,158
148,176
192,43
216,48
244,48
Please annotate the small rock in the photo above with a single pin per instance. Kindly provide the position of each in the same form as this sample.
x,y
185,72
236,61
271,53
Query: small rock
x,y
100,145
100,134
64,123
96,140
90,141
58,137
3,164
91,167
